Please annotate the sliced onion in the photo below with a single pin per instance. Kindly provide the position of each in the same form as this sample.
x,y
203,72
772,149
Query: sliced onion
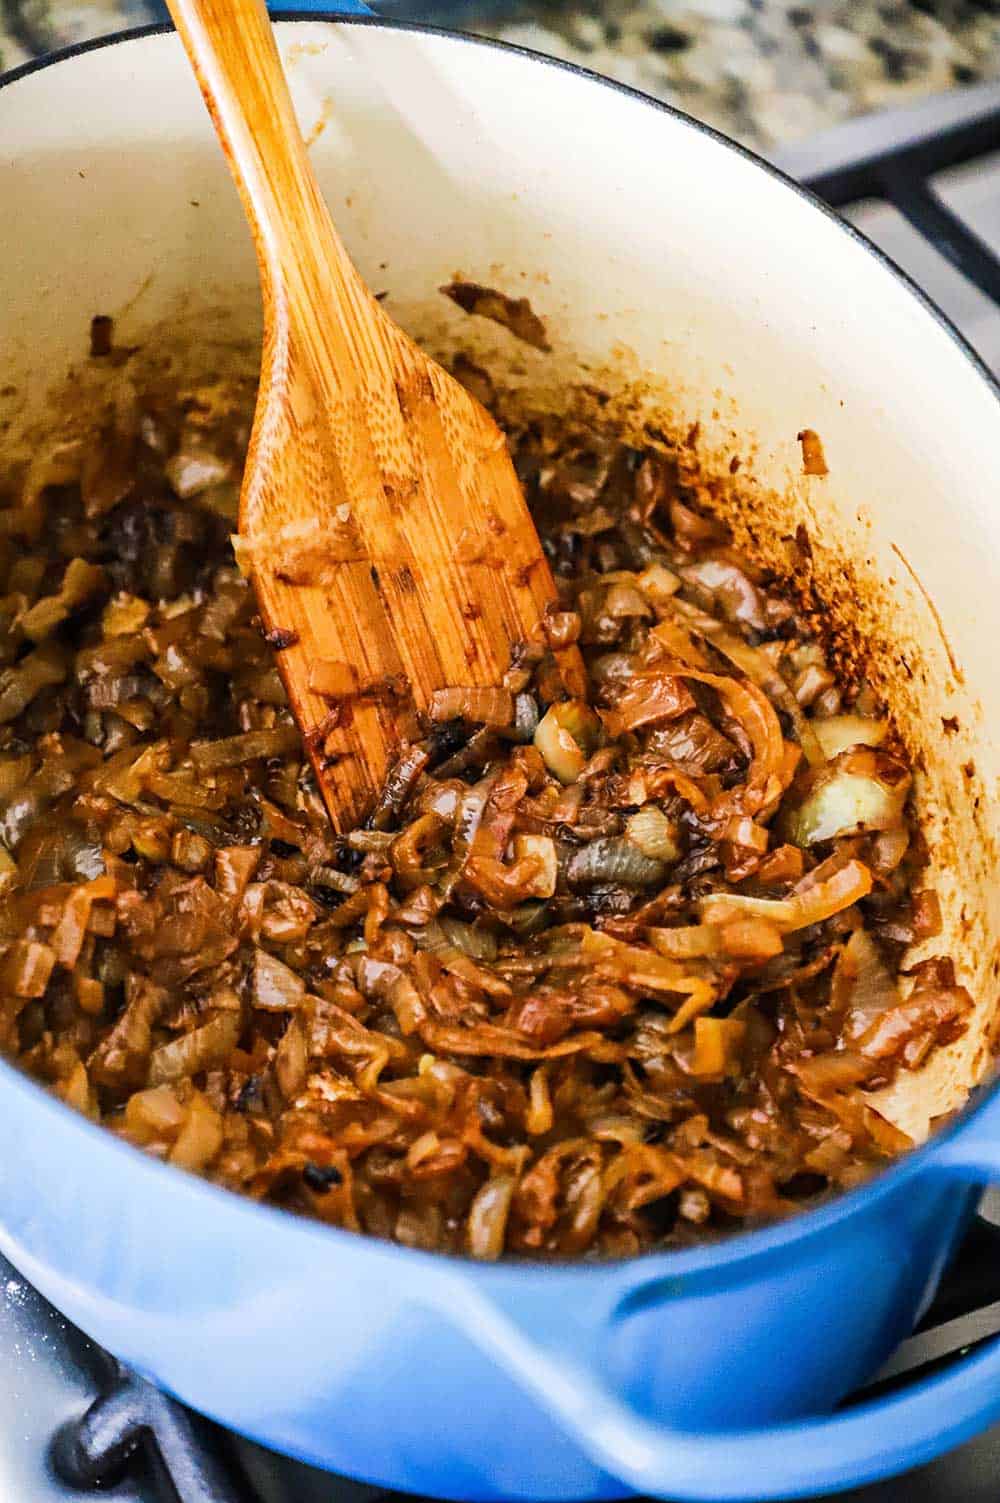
x,y
154,1113
45,666
821,900
487,1223
200,1139
233,751
759,669
124,615
733,591
688,941
624,601
863,791
204,1048
474,941
654,834
540,849
410,850
485,706
862,985
616,861
539,1116
382,979
647,699
503,886
274,986
837,733
769,773
26,968
468,818
526,717
658,583
80,581
644,970
716,1046
566,736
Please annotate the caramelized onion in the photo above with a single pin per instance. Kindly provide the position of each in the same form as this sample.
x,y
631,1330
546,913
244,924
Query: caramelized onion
x,y
605,970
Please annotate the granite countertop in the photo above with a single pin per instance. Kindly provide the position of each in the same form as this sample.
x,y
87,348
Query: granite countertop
x,y
765,71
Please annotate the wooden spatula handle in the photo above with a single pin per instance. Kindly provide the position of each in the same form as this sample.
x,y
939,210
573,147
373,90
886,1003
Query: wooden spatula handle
x,y
381,520
232,48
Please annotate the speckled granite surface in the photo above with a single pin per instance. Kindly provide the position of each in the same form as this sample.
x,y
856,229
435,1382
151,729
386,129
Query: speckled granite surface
x,y
765,71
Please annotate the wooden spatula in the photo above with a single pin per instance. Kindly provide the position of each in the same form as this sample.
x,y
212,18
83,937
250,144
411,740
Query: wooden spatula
x,y
381,519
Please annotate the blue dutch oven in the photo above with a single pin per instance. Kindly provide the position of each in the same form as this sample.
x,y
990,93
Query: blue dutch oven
x,y
711,1374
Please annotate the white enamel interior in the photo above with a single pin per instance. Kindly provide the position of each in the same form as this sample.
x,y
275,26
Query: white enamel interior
x,y
651,249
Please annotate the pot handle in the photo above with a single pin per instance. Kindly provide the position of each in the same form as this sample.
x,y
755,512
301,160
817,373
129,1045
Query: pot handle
x,y
849,1448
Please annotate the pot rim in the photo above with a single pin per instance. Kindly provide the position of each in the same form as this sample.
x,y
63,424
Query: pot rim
x,y
710,1257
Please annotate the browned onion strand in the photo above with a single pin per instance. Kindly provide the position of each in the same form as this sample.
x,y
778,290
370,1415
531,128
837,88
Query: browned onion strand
x,y
612,967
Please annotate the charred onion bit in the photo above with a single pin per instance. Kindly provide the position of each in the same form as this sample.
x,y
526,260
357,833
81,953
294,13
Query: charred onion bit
x,y
614,965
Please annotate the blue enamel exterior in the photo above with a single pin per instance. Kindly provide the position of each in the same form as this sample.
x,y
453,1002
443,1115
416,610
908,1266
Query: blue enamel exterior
x,y
705,1375
675,1373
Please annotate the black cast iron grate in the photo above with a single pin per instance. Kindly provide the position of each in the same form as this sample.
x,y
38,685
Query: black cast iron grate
x,y
902,175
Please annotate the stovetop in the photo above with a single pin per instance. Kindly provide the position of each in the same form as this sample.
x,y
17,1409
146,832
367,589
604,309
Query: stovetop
x,y
924,183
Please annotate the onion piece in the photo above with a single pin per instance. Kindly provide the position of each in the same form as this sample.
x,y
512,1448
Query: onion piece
x,y
644,970
863,790
616,861
716,1046
647,699
761,671
688,941
540,849
566,736
658,583
80,581
820,901
26,968
124,614
625,602
526,717
14,773
487,1217
862,986
751,938
204,1048
837,733
200,1139
539,1117
484,706
71,931
410,850
730,589
475,942
291,1058
46,666
505,887
769,773
154,1114
488,1039
654,834
274,986
233,751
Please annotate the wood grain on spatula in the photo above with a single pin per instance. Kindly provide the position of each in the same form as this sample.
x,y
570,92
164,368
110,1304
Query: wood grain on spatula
x,y
381,520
